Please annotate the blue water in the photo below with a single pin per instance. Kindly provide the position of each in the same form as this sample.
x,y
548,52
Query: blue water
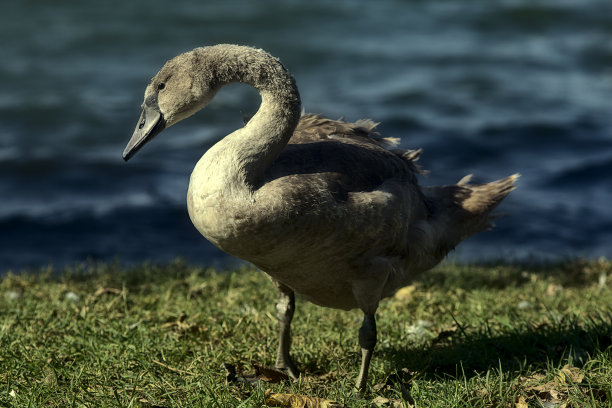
x,y
485,87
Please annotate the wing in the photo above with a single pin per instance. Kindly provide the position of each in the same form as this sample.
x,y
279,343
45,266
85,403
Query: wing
x,y
336,197
336,182
353,154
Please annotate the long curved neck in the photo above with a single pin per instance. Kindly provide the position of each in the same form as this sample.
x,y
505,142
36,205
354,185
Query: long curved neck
x,y
243,156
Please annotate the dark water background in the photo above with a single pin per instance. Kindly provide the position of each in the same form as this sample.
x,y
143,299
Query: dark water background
x,y
485,87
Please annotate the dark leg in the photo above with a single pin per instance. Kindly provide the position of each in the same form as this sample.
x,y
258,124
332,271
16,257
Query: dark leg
x,y
284,312
367,341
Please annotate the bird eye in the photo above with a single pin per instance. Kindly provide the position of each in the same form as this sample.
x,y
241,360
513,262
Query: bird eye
x,y
161,86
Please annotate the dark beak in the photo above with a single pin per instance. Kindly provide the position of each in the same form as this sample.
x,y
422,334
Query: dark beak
x,y
150,124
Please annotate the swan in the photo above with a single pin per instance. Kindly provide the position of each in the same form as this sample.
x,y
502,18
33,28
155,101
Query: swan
x,y
327,208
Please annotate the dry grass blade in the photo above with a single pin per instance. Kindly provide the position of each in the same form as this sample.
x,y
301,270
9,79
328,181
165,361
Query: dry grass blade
x,y
176,370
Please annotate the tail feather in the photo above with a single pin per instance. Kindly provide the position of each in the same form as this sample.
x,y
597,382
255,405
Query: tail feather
x,y
461,210
481,199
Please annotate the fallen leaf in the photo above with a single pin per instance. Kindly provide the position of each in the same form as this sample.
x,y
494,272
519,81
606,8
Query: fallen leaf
x,y
405,293
521,403
390,402
103,291
269,374
549,393
298,401
567,372
534,378
554,393
262,373
381,401
379,387
480,393
555,396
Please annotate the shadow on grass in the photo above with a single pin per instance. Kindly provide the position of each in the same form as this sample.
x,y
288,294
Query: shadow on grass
x,y
535,346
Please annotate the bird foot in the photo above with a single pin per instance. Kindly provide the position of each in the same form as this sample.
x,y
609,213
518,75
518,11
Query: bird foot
x,y
288,369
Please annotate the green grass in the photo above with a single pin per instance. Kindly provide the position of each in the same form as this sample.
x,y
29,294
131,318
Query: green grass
x,y
157,336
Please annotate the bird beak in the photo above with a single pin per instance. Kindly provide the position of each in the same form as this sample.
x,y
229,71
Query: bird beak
x,y
150,124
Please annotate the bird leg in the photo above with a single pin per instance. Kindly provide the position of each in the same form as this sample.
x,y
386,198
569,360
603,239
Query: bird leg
x,y
367,341
284,313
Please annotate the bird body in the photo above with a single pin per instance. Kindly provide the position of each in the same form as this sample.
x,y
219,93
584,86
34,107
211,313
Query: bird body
x,y
311,223
328,209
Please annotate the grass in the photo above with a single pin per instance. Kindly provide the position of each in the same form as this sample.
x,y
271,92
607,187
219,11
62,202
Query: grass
x,y
158,335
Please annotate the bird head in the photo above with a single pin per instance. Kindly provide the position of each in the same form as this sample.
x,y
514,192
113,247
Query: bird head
x,y
182,87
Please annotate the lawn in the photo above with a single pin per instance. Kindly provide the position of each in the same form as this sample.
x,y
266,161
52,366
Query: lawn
x,y
160,336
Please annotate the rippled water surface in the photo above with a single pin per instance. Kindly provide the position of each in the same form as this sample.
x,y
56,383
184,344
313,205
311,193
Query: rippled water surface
x,y
484,87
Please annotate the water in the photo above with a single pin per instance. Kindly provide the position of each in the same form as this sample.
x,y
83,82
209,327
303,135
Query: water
x,y
489,88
